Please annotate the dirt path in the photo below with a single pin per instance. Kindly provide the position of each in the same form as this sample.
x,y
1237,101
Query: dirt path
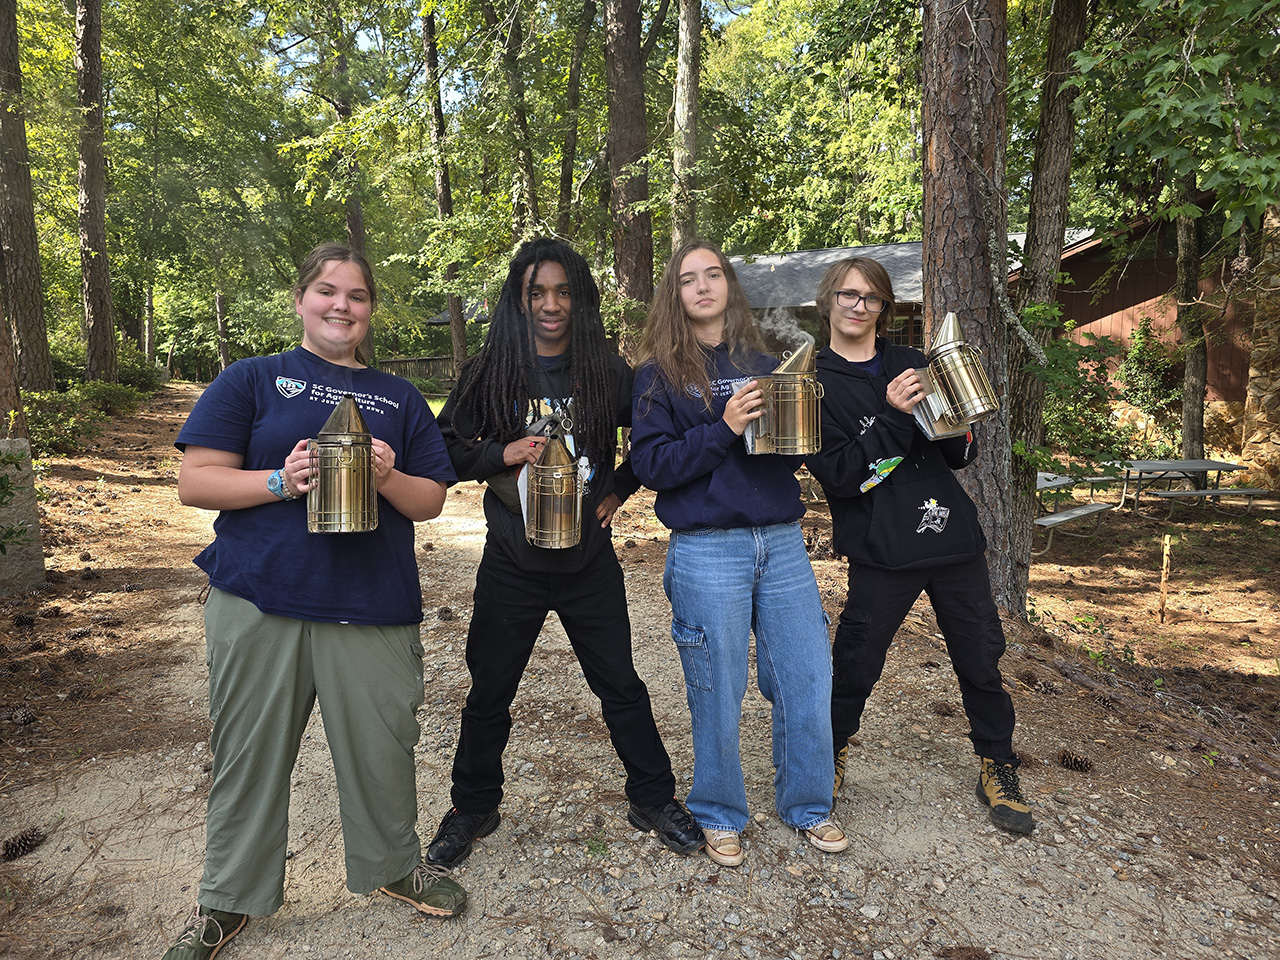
x,y
1166,847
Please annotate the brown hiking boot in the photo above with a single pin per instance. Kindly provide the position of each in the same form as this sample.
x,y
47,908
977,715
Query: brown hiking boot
x,y
999,789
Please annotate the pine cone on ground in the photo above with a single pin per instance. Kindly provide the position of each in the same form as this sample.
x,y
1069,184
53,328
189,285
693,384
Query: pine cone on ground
x,y
22,715
1073,761
21,843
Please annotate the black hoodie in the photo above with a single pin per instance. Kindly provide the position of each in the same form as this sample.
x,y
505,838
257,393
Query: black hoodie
x,y
895,503
481,460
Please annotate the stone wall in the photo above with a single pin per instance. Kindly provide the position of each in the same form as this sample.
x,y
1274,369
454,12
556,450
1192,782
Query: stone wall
x,y
22,565
1261,453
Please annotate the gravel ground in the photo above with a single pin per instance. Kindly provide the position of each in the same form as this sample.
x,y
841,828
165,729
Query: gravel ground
x,y
1158,851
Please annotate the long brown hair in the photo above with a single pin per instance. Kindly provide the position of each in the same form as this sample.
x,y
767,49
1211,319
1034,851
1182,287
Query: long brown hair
x,y
873,272
669,341
313,265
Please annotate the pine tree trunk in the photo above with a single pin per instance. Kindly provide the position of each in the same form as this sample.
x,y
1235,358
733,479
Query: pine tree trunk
x,y
572,99
628,135
13,422
96,285
684,152
21,283
444,191
1195,352
1041,260
965,77
525,213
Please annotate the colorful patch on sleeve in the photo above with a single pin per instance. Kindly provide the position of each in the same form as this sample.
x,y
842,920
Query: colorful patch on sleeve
x,y
879,470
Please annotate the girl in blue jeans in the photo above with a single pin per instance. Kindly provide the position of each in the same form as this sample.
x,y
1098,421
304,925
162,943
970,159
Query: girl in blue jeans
x,y
736,561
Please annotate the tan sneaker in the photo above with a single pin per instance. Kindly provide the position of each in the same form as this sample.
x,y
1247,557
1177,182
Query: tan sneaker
x,y
842,758
999,789
827,837
724,847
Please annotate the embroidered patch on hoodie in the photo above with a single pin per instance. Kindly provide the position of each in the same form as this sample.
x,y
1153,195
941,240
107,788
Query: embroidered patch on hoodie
x,y
935,516
866,424
879,470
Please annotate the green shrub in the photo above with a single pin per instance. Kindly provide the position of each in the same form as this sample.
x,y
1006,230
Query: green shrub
x,y
60,422
133,369
428,386
112,399
1079,431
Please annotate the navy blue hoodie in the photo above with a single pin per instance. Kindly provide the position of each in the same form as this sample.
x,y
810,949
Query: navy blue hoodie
x,y
700,468
895,503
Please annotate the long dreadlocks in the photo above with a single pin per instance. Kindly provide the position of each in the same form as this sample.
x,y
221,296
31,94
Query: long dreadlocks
x,y
498,384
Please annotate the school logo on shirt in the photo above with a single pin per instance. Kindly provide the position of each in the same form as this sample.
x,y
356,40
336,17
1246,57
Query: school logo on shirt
x,y
935,516
290,387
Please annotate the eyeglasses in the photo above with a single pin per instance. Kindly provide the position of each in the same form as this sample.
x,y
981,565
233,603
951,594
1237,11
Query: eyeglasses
x,y
851,298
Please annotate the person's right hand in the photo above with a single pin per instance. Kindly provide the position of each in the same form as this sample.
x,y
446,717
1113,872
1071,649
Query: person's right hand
x,y
524,450
905,390
743,407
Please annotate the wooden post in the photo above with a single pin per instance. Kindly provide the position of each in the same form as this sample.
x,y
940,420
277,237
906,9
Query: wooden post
x,y
1164,576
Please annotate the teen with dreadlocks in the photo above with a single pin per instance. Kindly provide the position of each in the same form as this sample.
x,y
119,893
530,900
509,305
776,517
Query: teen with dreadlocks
x,y
546,361
736,563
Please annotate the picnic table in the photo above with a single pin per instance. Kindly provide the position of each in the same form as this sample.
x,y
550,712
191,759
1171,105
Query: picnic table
x,y
1144,474
1051,520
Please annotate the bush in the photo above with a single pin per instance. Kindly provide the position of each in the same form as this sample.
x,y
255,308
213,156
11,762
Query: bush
x,y
112,399
59,422
64,422
133,369
1079,431
428,386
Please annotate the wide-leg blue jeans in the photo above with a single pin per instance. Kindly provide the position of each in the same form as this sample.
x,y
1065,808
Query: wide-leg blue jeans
x,y
723,585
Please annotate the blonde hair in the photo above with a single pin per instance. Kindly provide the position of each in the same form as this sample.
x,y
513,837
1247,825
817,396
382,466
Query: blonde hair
x,y
669,341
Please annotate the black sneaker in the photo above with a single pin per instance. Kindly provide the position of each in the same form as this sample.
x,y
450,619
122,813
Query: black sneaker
x,y
458,831
675,827
999,789
206,933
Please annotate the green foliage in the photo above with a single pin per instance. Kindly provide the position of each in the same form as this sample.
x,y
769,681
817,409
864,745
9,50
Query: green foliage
x,y
133,369
1080,432
1186,87
64,421
1151,379
18,533
58,423
428,386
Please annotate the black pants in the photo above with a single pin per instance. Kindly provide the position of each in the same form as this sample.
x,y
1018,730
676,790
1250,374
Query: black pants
x,y
510,607
879,601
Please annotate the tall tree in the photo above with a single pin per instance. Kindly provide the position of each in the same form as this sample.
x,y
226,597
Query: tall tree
x,y
572,100
13,421
96,284
684,143
965,233
1041,262
628,135
1195,351
21,289
509,39
444,191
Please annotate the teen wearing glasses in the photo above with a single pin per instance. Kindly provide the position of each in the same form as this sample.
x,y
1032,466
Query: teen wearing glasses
x,y
907,527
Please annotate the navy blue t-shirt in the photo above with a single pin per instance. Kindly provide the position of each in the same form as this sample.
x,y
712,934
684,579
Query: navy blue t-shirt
x,y
260,408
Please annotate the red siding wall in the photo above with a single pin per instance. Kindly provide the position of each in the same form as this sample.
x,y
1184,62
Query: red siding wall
x,y
1139,288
